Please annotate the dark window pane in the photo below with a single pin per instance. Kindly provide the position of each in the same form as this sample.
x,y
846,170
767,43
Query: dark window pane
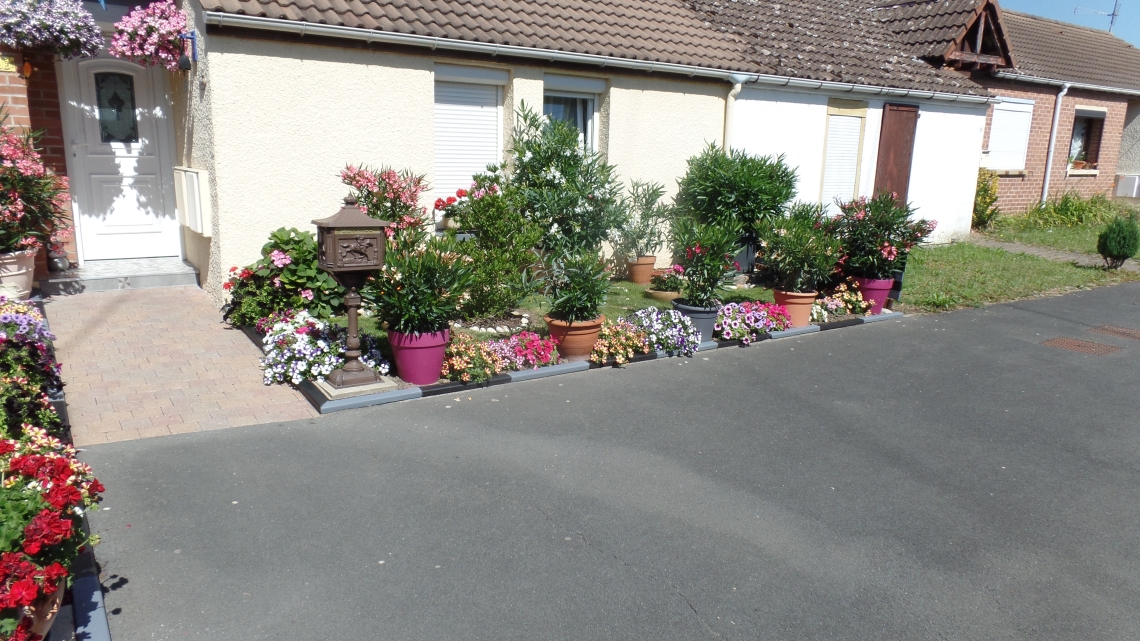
x,y
115,96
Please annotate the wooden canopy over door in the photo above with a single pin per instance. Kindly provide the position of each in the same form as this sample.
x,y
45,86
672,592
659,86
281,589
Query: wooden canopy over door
x,y
896,149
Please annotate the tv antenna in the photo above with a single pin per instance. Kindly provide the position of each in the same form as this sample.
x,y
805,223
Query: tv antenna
x,y
1111,16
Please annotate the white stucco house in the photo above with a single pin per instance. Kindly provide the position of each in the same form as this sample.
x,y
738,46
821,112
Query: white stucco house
x,y
284,93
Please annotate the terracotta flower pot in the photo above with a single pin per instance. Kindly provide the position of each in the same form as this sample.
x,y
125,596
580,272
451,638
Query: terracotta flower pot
x,y
704,318
44,610
662,296
16,271
798,305
575,340
875,291
641,271
419,357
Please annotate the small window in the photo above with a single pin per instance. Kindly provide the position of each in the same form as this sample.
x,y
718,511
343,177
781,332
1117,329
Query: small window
x,y
1084,149
576,110
843,151
1009,136
115,93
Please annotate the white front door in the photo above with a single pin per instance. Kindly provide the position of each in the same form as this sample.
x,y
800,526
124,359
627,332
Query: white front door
x,y
117,122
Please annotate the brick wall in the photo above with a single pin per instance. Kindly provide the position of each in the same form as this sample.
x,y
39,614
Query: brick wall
x,y
13,93
1018,193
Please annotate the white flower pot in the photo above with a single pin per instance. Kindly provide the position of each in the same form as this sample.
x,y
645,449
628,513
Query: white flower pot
x,y
16,272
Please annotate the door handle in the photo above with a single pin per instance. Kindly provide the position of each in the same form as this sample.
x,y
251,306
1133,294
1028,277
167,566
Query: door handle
x,y
76,146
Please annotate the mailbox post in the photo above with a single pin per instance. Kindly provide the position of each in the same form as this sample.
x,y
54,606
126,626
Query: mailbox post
x,y
350,245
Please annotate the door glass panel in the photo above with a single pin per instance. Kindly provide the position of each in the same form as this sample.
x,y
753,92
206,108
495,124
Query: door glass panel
x,y
115,96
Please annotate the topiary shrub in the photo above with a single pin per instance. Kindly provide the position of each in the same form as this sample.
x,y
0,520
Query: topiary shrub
x,y
1119,241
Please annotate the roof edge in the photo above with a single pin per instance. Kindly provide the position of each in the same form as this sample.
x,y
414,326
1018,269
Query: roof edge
x,y
222,19
1020,77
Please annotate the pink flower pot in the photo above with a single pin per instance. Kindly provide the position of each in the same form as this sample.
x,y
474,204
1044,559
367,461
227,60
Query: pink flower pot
x,y
419,357
875,291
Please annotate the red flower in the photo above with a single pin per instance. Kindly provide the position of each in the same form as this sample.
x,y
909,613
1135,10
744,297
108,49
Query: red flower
x,y
440,203
96,487
61,496
7,447
227,286
233,269
245,273
22,592
46,528
451,199
461,193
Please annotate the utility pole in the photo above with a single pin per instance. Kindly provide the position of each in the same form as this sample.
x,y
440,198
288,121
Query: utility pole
x,y
1111,16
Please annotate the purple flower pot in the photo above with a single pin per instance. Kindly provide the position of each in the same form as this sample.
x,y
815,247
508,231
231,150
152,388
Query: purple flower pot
x,y
419,357
875,290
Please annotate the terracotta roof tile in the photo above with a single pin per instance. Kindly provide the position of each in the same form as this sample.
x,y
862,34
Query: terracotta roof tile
x,y
836,40
1062,51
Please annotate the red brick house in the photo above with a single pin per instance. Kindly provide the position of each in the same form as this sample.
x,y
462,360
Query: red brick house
x,y
1064,114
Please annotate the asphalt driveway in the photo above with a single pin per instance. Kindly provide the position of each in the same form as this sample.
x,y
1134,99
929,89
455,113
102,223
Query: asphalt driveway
x,y
941,477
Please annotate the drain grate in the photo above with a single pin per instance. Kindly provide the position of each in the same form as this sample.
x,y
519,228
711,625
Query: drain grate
x,y
1084,347
1119,332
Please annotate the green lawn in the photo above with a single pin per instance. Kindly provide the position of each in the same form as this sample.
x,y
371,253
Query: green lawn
x,y
625,297
1075,239
965,275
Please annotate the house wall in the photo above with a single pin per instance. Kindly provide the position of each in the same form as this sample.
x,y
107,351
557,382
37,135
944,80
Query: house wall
x,y
1130,141
1017,192
944,167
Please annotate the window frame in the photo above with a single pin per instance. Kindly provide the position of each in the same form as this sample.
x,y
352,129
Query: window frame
x,y
1094,133
1010,105
851,109
589,138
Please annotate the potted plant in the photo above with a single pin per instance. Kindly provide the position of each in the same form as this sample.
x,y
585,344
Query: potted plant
x,y
665,285
576,285
707,253
60,27
876,236
33,209
641,234
667,330
799,254
150,35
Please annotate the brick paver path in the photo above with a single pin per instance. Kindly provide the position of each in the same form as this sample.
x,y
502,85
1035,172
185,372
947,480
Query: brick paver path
x,y
150,362
1048,253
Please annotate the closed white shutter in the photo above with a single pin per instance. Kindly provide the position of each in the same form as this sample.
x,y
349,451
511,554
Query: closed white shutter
x,y
841,165
468,134
1009,136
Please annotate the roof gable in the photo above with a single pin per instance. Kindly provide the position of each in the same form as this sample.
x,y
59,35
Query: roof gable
x,y
965,34
1071,53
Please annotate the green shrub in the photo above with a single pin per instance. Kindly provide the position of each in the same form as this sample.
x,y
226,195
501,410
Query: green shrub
x,y
286,277
986,210
642,231
569,192
734,189
576,284
1071,210
706,252
800,253
501,247
1119,241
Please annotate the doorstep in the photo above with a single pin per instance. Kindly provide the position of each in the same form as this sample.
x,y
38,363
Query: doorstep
x,y
325,405
130,273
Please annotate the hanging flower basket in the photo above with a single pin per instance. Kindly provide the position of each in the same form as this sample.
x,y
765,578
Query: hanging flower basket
x,y
150,35
57,27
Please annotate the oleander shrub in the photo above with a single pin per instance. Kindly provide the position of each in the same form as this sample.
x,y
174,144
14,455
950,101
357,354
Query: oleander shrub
x,y
735,190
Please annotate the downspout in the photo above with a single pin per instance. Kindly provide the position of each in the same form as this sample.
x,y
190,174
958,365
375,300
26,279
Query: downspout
x,y
737,81
1053,141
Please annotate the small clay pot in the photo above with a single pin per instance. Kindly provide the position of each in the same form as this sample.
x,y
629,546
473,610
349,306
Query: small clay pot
x,y
798,305
662,296
575,340
640,271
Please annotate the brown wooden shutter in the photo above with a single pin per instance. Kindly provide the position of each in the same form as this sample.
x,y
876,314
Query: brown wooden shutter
x,y
896,149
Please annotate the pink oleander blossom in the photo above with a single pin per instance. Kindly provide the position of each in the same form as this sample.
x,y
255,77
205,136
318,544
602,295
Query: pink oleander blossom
x,y
149,36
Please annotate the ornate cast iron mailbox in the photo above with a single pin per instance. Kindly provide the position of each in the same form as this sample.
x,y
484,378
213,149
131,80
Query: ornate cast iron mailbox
x,y
350,244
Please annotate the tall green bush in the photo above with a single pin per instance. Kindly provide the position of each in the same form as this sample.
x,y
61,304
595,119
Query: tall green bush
x,y
501,245
1119,241
570,192
734,189
986,210
642,231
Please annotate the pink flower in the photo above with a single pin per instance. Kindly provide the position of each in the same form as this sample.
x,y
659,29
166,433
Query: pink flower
x,y
280,258
307,294
889,251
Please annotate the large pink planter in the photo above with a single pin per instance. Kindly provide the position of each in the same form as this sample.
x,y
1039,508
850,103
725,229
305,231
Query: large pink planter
x,y
419,357
875,290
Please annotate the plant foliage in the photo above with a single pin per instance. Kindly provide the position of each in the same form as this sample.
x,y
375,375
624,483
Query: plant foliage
x,y
642,231
575,284
286,277
799,253
1119,241
707,252
34,202
735,190
986,210
877,235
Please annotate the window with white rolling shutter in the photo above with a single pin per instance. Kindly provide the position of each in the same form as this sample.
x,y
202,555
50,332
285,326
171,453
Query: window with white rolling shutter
x,y
1009,136
468,133
843,151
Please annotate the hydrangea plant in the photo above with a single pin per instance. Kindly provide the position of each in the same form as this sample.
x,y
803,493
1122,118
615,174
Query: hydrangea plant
x,y
59,27
300,347
667,331
150,35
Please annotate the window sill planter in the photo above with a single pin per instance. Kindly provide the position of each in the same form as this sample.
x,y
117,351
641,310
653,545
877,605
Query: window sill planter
x,y
666,297
875,290
575,340
1082,172
798,305
16,271
704,318
641,270
419,357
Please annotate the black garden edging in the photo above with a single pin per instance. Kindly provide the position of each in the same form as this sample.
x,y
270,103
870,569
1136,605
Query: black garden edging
x,y
326,405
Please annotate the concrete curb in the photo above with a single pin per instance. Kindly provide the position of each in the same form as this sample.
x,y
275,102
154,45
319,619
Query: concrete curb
x,y
325,405
88,609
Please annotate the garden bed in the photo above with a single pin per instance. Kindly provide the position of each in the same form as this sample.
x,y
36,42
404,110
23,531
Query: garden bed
x,y
325,405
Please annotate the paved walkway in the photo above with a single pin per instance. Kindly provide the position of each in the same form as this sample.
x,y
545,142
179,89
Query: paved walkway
x,y
1048,253
151,362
